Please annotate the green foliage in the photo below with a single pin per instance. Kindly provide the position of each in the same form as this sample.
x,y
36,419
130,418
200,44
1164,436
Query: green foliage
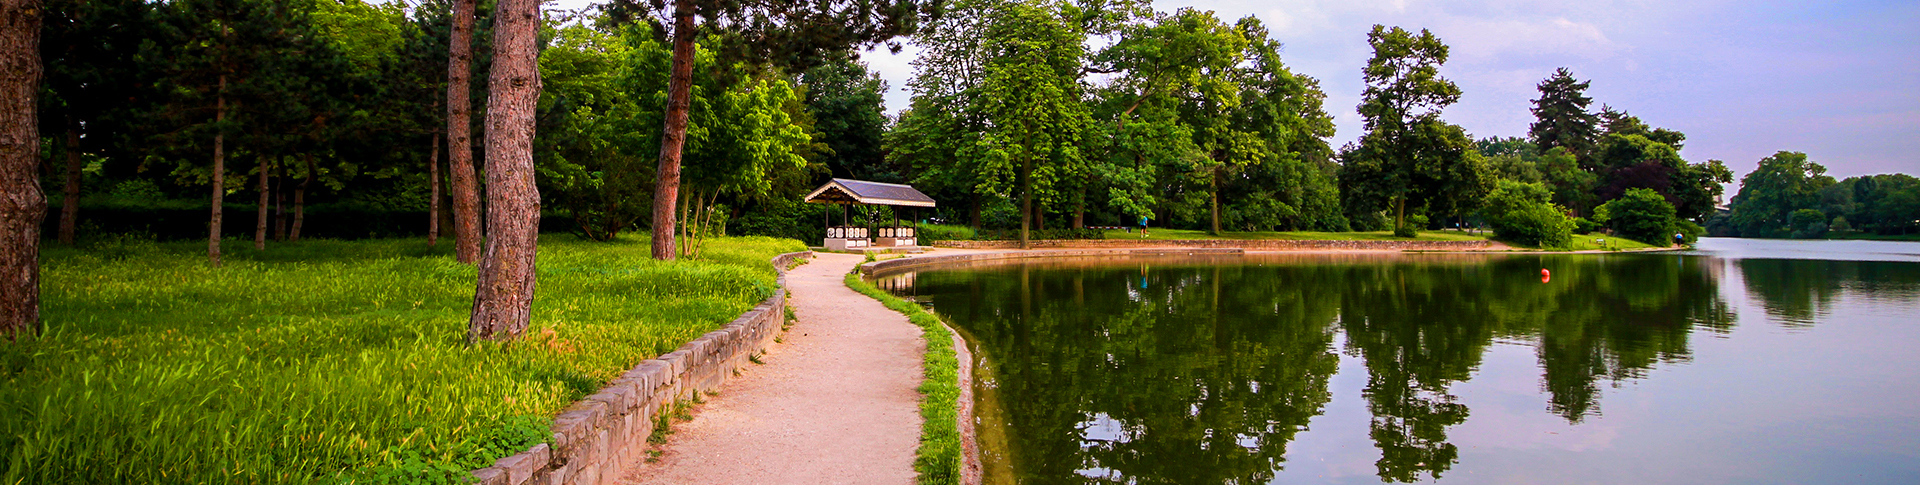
x,y
1840,225
1409,156
845,99
1807,223
1582,225
1641,215
937,461
1782,184
1561,113
1522,214
329,360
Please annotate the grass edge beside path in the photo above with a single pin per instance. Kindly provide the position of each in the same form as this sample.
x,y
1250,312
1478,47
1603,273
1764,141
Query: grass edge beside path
x,y
937,461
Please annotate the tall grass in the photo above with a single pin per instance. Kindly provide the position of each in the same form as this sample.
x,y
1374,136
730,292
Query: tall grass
x,y
937,461
331,361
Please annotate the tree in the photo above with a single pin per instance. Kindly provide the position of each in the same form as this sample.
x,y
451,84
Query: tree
x,y
845,99
1408,152
1031,95
466,199
1641,215
22,206
89,48
503,298
1783,183
1520,212
1562,116
792,37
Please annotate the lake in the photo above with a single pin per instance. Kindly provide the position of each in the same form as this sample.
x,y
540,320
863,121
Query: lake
x,y
1745,362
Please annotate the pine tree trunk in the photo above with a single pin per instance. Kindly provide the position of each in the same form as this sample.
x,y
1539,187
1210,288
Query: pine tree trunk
x,y
280,202
22,206
300,201
219,173
679,95
466,198
433,186
260,224
70,205
503,299
974,213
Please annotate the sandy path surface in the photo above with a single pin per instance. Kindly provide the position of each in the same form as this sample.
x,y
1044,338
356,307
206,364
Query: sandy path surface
x,y
835,403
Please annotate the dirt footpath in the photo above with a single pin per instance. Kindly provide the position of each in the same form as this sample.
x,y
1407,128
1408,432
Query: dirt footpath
x,y
834,403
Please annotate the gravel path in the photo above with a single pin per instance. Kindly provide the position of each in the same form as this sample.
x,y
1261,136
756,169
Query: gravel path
x,y
835,403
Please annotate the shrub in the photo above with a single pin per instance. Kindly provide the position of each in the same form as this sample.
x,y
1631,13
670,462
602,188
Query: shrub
x,y
1641,215
1405,231
928,233
1519,213
1807,223
1840,225
1583,226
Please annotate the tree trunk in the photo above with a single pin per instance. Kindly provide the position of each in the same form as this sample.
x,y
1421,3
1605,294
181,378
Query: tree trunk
x,y
300,201
1026,202
466,198
219,172
974,213
503,299
1399,213
433,186
260,225
22,206
280,202
679,94
1215,202
70,206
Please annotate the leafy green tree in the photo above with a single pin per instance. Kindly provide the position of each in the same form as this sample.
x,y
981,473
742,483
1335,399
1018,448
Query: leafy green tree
x,y
1031,95
1572,186
1408,152
788,36
1641,215
1783,183
845,100
1562,116
89,49
1522,213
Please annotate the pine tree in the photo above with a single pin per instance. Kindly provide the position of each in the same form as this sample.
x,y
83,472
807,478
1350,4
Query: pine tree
x,y
1563,117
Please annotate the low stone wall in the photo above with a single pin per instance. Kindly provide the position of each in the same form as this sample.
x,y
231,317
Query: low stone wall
x,y
598,439
896,265
1247,244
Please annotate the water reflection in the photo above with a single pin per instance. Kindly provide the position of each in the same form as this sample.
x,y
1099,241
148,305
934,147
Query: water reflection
x,y
1170,371
1800,292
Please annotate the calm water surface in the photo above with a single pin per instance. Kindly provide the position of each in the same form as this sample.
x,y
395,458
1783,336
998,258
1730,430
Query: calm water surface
x,y
1747,362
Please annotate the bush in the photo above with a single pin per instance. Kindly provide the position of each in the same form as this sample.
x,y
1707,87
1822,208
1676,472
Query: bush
x,y
1840,225
1583,226
928,233
1519,213
1641,215
1807,223
1405,231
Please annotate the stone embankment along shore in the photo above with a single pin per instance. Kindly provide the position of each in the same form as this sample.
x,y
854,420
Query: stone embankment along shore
x,y
902,264
1246,244
597,439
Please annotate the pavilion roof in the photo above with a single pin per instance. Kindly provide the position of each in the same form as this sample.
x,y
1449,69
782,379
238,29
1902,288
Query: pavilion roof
x,y
849,191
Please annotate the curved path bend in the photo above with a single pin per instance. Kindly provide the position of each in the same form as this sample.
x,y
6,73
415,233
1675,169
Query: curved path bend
x,y
834,403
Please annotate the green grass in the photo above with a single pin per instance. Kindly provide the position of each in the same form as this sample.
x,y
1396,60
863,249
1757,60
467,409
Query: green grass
x,y
329,361
937,461
1179,234
1584,242
1867,236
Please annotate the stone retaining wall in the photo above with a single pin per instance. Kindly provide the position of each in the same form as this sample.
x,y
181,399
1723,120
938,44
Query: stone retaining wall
x,y
1247,244
598,439
895,265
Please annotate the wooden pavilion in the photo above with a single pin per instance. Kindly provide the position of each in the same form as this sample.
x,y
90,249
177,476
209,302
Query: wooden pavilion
x,y
849,236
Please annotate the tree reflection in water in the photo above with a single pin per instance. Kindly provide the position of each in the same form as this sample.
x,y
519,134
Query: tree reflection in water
x,y
1184,371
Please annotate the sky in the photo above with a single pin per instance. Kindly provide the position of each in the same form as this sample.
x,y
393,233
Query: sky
x,y
1838,80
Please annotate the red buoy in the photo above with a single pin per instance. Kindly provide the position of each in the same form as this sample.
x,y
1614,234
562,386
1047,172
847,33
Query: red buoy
x,y
1545,275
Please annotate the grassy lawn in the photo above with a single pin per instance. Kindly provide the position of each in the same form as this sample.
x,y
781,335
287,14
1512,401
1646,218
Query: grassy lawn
x,y
1585,242
331,361
1172,234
